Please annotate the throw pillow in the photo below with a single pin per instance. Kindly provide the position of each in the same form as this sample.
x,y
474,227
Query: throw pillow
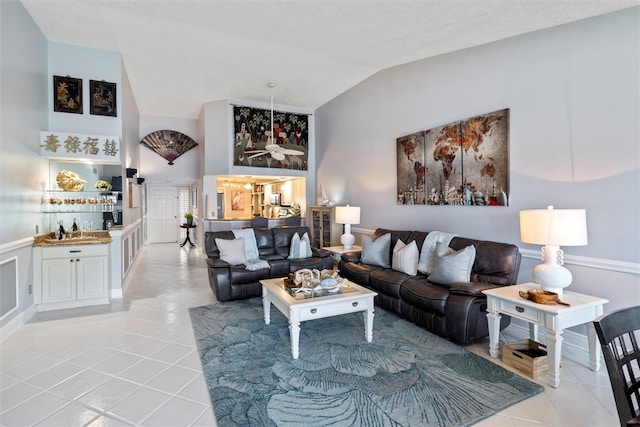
x,y
231,250
451,266
376,252
300,247
405,257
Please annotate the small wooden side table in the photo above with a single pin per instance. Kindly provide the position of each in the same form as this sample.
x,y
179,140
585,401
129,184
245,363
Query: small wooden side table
x,y
553,318
188,238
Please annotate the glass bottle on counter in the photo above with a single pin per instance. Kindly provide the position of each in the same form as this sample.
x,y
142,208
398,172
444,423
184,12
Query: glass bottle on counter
x,y
74,227
61,231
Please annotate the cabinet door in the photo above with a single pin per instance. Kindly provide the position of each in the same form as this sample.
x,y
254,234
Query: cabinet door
x,y
316,227
326,228
58,280
92,276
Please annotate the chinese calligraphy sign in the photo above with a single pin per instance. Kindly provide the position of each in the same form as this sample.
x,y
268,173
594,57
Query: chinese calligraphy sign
x,y
67,145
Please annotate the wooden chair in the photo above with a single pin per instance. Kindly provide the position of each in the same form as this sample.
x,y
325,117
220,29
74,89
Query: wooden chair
x,y
260,222
619,335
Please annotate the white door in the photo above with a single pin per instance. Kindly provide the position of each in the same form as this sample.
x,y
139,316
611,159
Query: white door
x,y
163,214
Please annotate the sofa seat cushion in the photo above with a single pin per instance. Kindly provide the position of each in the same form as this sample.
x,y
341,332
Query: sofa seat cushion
x,y
387,281
424,295
240,275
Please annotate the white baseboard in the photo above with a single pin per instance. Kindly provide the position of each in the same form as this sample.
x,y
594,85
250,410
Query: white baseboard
x,y
15,323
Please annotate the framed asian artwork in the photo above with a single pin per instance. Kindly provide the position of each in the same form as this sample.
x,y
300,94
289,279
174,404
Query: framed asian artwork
x,y
103,98
465,163
253,144
67,94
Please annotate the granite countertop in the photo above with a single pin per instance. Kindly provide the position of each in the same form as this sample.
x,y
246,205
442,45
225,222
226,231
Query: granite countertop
x,y
73,238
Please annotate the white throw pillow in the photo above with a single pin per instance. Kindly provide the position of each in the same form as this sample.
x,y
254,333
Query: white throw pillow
x,y
300,247
231,251
405,257
451,266
376,252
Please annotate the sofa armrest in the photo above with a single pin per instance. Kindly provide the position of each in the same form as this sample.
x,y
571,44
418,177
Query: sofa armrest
x,y
351,256
471,288
217,263
322,253
219,278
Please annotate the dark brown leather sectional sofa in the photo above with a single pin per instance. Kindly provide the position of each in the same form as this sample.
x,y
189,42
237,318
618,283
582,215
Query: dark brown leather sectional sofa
x,y
232,282
456,311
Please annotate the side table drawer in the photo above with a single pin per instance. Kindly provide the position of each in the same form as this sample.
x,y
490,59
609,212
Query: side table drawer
x,y
520,311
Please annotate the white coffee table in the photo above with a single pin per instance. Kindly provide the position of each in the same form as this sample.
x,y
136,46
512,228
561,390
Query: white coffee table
x,y
553,318
352,298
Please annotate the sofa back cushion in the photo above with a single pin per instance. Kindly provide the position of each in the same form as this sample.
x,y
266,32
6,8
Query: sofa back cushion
x,y
264,240
495,262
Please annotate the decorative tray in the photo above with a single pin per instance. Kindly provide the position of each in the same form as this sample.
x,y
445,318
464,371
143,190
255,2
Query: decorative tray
x,y
540,296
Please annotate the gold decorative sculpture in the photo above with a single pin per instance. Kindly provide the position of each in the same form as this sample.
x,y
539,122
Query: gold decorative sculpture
x,y
70,181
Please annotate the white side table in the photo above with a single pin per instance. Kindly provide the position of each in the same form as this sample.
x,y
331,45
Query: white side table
x,y
553,318
339,250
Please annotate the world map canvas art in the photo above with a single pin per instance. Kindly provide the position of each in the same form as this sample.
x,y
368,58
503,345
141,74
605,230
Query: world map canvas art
x,y
461,163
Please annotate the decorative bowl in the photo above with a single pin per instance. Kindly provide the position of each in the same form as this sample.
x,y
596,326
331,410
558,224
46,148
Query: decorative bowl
x,y
329,283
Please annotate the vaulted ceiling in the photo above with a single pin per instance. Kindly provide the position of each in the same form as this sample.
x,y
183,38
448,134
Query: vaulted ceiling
x,y
180,54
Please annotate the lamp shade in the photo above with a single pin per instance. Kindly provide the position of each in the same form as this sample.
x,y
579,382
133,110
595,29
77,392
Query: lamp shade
x,y
558,227
347,215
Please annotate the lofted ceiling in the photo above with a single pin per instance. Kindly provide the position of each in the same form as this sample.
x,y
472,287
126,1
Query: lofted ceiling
x,y
180,54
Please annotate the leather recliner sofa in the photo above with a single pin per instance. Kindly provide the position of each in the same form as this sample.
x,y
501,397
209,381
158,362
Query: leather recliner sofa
x,y
455,311
232,282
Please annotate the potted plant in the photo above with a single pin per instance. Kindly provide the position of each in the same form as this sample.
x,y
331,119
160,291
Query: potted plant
x,y
189,217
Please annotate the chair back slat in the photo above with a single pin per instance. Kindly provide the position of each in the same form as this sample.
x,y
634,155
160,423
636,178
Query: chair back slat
x,y
618,333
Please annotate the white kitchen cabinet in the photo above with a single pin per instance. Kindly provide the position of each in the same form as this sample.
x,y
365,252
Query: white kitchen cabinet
x,y
71,276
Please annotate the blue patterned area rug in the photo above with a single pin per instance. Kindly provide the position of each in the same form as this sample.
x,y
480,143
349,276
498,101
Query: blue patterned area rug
x,y
405,377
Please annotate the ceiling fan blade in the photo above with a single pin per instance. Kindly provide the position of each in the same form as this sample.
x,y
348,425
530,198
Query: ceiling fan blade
x,y
271,147
277,155
256,155
291,152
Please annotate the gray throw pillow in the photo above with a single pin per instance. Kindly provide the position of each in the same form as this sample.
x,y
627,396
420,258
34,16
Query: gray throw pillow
x,y
451,266
376,252
231,250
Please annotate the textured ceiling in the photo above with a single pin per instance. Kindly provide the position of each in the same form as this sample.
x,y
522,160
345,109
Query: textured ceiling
x,y
180,54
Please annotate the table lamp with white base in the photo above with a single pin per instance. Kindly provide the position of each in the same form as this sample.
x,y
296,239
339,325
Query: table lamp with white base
x,y
553,228
347,215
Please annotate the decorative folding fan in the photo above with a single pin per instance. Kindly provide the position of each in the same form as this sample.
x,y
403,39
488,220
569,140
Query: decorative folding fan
x,y
169,144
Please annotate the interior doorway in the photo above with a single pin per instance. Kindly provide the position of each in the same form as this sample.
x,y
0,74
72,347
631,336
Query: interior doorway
x,y
164,224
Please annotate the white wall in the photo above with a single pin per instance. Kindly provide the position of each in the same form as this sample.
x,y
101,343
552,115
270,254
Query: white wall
x,y
87,64
23,113
156,169
573,95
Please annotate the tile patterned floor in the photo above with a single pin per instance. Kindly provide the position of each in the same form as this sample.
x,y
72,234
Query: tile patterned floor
x,y
134,362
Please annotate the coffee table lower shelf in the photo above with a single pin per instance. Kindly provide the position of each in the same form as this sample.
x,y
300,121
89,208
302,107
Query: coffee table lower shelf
x,y
356,299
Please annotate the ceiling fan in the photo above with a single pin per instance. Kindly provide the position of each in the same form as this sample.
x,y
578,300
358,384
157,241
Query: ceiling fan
x,y
276,151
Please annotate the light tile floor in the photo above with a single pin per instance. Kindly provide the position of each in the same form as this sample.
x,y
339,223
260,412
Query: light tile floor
x,y
135,362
